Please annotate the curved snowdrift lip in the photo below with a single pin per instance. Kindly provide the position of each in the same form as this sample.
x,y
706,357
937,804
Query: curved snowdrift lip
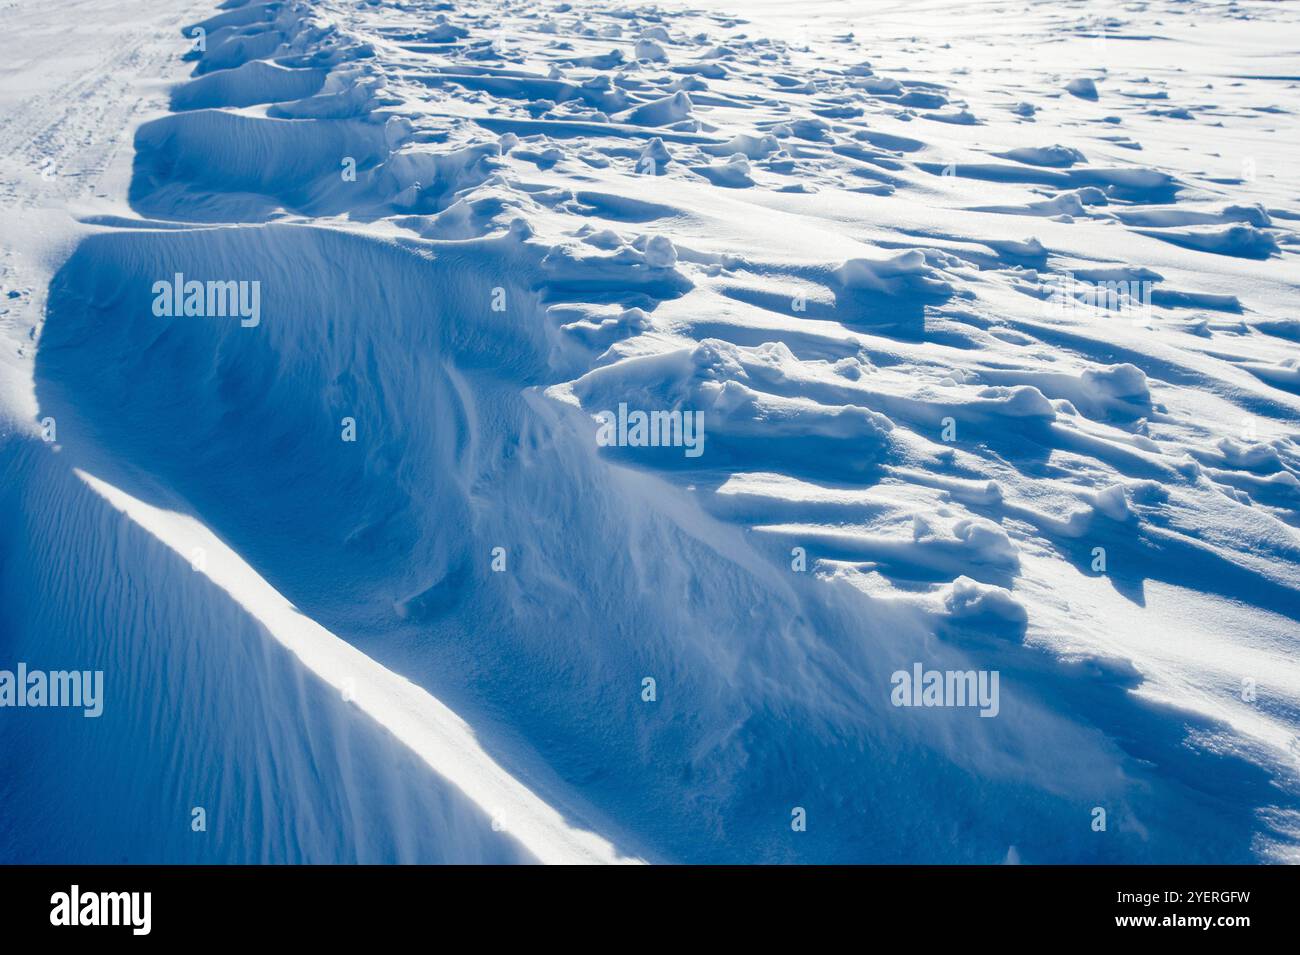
x,y
411,714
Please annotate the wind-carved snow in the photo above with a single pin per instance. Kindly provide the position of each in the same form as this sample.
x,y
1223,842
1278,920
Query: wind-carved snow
x,y
994,355
416,719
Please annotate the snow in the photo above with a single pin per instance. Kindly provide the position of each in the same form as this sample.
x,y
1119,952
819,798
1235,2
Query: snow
x,y
989,317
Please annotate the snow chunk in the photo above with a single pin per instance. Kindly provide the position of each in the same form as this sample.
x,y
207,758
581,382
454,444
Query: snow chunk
x,y
733,174
1111,502
659,112
660,253
968,599
986,541
654,157
1058,157
649,50
743,144
907,271
1020,401
1121,386
1082,87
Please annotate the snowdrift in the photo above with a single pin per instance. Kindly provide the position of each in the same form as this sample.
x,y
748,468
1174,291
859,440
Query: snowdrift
x,y
440,614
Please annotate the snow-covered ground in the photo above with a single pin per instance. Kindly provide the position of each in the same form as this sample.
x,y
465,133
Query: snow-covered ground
x,y
979,321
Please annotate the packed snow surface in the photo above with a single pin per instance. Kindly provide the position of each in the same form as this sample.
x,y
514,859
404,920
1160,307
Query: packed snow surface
x,y
971,332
